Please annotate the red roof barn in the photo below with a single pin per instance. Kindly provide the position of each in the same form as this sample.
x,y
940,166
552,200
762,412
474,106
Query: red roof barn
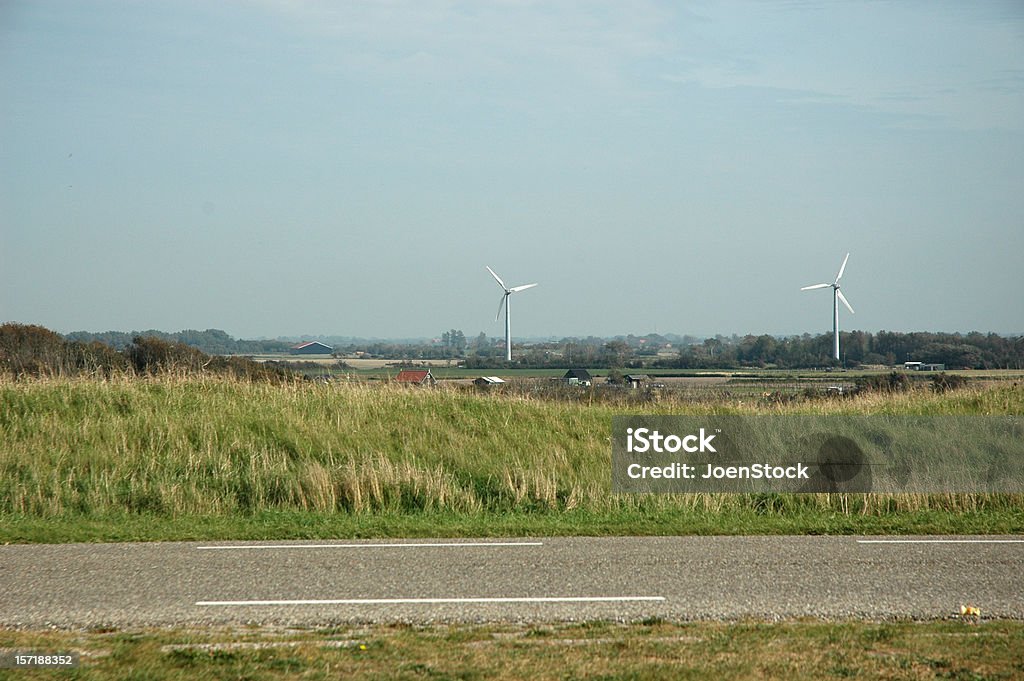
x,y
415,377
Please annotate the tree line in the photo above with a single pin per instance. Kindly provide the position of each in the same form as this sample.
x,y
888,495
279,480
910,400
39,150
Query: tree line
x,y
210,341
29,350
24,345
888,348
858,348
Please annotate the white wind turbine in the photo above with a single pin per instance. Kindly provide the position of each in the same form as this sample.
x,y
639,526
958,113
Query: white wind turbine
x,y
504,301
837,295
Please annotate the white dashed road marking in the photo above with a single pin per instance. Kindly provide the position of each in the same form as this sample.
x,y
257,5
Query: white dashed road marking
x,y
435,601
940,541
250,547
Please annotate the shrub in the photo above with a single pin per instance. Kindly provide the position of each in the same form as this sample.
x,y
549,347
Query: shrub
x,y
893,382
95,358
152,356
246,369
31,350
945,382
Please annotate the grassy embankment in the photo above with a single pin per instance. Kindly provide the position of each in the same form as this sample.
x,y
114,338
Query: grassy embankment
x,y
650,650
170,458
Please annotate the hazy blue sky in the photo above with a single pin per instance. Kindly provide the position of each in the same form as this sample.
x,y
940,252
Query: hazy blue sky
x,y
286,167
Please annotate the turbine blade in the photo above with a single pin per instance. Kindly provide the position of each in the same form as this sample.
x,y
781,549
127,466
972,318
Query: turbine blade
x,y
514,289
502,303
497,278
845,301
842,268
808,288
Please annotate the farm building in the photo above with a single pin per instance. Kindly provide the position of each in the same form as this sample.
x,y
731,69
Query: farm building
x,y
415,377
311,348
578,377
636,380
488,381
923,366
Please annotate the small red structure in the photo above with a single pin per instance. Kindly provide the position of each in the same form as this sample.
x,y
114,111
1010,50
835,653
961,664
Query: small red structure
x,y
415,377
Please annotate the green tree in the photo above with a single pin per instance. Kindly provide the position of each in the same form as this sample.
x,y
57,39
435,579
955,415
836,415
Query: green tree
x,y
616,352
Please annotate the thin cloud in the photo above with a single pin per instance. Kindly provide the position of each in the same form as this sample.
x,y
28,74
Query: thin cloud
x,y
449,43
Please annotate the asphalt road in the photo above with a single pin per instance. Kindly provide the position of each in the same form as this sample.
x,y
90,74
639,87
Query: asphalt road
x,y
503,580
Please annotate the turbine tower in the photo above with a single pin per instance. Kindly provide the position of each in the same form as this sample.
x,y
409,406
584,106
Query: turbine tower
x,y
504,301
837,295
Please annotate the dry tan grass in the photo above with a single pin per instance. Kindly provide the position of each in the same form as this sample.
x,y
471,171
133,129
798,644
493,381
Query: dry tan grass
x,y
176,446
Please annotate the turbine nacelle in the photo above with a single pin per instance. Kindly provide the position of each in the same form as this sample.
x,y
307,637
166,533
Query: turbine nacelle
x,y
835,285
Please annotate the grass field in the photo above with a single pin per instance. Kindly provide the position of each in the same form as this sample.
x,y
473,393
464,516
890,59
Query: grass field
x,y
187,458
600,650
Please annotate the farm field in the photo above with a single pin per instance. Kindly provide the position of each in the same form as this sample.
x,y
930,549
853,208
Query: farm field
x,y
204,458
453,369
680,384
353,364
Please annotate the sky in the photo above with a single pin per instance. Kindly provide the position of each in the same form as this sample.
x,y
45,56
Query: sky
x,y
285,167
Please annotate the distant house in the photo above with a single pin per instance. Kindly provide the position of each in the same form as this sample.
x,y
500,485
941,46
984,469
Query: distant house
x,y
488,381
578,377
311,348
415,377
922,366
635,381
